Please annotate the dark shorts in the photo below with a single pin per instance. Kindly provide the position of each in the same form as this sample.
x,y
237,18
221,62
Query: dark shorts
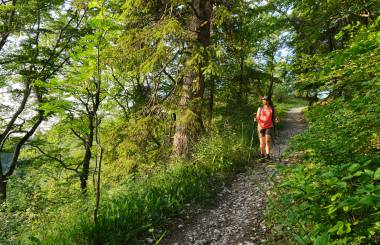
x,y
265,131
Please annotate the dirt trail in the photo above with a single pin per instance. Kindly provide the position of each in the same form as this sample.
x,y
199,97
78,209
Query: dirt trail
x,y
238,216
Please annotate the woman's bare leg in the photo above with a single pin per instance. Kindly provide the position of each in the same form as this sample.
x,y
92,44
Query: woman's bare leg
x,y
267,144
262,145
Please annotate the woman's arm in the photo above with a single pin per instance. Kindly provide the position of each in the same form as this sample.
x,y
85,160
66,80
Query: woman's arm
x,y
257,114
257,118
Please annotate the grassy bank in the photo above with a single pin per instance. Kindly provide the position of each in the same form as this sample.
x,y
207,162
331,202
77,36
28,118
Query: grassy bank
x,y
140,207
333,195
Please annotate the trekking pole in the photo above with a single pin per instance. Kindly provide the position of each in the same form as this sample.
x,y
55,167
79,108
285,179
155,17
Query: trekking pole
x,y
250,146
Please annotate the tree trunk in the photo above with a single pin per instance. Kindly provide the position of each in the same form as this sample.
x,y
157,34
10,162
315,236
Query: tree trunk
x,y
93,125
190,117
241,80
86,168
3,189
87,156
182,132
270,90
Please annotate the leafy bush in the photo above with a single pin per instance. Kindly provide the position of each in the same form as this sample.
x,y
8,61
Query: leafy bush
x,y
333,195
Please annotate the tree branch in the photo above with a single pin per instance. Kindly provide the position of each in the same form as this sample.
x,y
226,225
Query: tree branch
x,y
60,161
22,142
79,136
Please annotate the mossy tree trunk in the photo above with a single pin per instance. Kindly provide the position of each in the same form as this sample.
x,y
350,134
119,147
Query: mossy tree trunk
x,y
190,124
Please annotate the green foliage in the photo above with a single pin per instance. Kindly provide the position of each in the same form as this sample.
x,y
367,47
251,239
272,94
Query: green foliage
x,y
333,196
138,207
317,22
40,195
136,147
122,63
335,191
341,201
344,72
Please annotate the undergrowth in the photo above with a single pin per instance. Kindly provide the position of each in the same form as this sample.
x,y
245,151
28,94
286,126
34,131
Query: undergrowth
x,y
141,207
333,195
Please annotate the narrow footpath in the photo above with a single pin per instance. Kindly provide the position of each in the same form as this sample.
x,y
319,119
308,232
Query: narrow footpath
x,y
238,216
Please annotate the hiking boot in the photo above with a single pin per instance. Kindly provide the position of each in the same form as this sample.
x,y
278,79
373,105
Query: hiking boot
x,y
260,157
267,156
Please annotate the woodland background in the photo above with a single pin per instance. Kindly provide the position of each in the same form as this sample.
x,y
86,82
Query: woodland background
x,y
115,114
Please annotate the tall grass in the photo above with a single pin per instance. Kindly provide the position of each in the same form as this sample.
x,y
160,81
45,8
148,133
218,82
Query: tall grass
x,y
140,207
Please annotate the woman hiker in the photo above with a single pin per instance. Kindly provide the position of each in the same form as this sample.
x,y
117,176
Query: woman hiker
x,y
265,118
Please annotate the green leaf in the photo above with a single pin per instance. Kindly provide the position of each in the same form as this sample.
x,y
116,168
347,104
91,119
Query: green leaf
x,y
369,172
376,176
336,196
322,239
367,201
348,177
339,35
341,184
348,228
332,209
358,173
93,4
299,239
353,167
